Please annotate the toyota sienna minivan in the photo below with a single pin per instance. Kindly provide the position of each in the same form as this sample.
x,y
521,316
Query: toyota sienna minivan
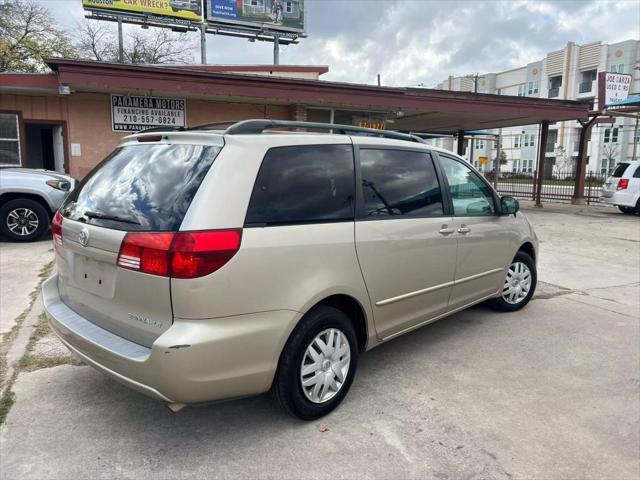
x,y
202,264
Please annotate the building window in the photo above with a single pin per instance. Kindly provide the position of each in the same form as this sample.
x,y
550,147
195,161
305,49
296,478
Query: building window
x,y
617,68
516,165
611,135
479,143
289,7
9,139
516,141
521,90
528,140
533,87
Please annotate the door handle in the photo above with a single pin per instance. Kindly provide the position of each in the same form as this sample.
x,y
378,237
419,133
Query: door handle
x,y
445,230
464,229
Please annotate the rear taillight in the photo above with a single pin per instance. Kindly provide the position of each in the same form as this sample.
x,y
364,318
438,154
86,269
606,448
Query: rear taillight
x,y
56,229
623,183
179,254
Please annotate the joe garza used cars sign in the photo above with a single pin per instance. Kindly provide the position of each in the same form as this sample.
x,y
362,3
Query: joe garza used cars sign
x,y
616,87
130,113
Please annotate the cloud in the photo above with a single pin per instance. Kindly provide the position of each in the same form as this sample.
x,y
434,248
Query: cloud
x,y
422,41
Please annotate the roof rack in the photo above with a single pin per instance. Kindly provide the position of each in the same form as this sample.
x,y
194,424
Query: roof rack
x,y
246,127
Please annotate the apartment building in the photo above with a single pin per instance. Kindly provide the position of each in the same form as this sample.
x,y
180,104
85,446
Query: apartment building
x,y
571,74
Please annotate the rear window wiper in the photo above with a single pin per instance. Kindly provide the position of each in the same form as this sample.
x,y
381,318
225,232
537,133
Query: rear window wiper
x,y
104,216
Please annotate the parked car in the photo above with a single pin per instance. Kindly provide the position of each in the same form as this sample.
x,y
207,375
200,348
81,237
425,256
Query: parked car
x,y
187,5
28,200
622,188
200,265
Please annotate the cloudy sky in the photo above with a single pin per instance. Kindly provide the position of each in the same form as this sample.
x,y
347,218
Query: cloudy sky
x,y
411,42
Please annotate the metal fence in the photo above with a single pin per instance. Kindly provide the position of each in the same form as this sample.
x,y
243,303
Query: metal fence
x,y
558,185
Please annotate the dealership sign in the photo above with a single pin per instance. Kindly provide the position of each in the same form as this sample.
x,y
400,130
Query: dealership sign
x,y
616,87
275,15
183,9
130,113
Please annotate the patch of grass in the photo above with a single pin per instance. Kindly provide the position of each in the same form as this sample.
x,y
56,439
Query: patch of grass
x,y
30,363
7,397
6,402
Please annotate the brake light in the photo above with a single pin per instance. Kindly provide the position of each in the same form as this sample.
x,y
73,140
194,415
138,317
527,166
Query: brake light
x,y
179,254
623,184
56,229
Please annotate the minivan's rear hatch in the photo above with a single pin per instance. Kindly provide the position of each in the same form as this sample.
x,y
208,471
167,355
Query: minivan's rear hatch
x,y
611,183
140,187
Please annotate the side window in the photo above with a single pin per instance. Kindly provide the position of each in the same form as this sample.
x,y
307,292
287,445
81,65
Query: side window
x,y
397,182
470,195
636,174
304,184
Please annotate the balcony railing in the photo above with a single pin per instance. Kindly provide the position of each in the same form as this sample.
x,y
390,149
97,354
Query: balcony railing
x,y
554,92
585,87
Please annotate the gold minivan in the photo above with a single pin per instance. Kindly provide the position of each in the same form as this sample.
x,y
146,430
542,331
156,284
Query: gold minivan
x,y
200,264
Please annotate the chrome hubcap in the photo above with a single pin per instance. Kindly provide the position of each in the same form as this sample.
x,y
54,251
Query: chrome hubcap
x,y
517,284
22,221
325,365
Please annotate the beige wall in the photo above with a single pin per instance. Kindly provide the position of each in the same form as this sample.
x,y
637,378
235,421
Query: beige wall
x,y
88,117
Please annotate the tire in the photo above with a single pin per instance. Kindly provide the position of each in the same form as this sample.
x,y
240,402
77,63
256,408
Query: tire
x,y
287,389
14,212
506,302
627,210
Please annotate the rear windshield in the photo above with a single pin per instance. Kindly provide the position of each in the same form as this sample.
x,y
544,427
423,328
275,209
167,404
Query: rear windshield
x,y
141,187
620,168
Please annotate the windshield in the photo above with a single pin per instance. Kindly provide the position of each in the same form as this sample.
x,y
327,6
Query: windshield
x,y
141,187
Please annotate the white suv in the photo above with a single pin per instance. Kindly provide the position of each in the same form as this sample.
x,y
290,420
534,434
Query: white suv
x,y
200,265
622,188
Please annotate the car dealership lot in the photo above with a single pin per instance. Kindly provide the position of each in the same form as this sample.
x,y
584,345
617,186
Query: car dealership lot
x,y
548,392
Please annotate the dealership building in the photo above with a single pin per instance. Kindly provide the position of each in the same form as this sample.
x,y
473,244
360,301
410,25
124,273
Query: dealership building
x,y
71,118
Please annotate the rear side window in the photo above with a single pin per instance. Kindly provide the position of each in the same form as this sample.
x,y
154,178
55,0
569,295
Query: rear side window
x,y
620,168
303,184
141,187
636,174
397,182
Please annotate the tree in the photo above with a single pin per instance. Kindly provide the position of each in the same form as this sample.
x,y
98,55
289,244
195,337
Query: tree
x,y
97,41
27,34
610,154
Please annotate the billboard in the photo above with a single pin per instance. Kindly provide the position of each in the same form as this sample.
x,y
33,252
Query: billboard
x,y
183,9
616,87
130,113
278,15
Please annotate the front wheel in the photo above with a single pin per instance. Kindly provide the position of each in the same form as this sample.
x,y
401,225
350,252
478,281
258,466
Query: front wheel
x,y
23,220
519,284
317,365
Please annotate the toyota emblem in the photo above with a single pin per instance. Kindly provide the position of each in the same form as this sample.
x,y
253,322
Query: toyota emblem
x,y
83,237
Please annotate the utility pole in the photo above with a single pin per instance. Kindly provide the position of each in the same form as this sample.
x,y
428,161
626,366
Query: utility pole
x,y
203,43
120,45
496,166
276,49
475,90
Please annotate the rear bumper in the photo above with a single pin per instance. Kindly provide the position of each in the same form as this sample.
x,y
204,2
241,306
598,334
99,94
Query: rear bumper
x,y
622,198
193,361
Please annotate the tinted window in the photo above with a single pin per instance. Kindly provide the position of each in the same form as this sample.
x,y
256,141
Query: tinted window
x,y
620,168
636,174
396,182
148,187
301,184
470,195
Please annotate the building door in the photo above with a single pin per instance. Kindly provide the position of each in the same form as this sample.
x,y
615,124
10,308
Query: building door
x,y
44,146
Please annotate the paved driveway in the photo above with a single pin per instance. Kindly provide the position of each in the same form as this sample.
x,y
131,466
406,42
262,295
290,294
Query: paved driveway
x,y
550,392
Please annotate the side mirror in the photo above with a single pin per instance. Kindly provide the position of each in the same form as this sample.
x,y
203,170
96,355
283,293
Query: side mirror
x,y
509,205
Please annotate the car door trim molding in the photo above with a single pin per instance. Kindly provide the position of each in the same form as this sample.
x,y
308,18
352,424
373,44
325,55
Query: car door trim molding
x,y
405,296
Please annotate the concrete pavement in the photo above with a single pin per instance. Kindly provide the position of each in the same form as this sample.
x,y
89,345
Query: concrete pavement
x,y
550,392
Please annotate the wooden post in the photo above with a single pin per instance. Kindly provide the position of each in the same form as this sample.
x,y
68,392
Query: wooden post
x,y
461,142
581,167
542,149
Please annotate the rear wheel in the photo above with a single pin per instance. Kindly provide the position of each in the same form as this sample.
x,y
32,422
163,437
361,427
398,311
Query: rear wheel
x,y
23,220
317,365
628,210
519,284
